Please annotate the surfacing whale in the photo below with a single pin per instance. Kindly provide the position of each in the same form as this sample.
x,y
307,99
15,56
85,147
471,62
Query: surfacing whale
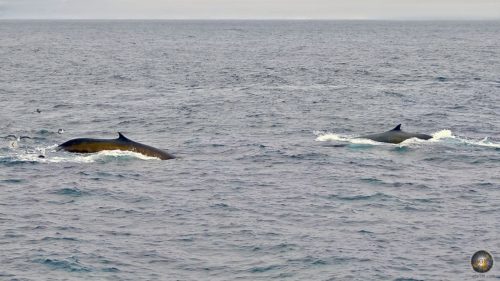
x,y
88,145
395,135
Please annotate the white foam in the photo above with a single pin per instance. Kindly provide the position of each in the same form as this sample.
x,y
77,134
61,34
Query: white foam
x,y
322,136
484,142
447,134
34,156
328,136
412,142
52,159
121,153
443,134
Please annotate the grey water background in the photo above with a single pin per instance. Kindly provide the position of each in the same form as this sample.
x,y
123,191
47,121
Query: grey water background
x,y
253,194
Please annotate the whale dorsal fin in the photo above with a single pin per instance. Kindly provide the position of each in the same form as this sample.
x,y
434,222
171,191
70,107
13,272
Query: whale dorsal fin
x,y
397,128
122,137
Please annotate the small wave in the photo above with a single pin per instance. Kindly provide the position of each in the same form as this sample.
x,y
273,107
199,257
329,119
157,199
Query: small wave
x,y
12,181
361,197
71,266
110,269
72,192
260,269
59,239
121,77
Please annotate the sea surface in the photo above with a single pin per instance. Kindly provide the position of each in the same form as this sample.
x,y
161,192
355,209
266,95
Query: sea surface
x,y
269,182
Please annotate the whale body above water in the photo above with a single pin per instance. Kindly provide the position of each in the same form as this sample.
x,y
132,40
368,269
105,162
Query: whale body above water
x,y
395,136
89,145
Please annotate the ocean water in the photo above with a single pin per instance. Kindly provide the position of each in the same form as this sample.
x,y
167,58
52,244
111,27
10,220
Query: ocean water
x,y
269,182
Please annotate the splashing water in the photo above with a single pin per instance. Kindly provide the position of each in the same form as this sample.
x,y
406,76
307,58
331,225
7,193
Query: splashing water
x,y
447,134
40,156
328,136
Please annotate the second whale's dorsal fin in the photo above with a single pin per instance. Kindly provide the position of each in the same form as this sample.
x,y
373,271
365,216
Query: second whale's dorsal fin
x,y
122,137
397,128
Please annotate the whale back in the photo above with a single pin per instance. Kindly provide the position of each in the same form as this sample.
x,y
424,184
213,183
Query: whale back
x,y
395,136
90,145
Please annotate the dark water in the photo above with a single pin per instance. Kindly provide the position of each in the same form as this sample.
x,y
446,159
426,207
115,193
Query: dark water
x,y
269,183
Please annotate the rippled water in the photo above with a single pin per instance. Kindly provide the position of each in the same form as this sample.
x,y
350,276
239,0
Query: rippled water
x,y
270,181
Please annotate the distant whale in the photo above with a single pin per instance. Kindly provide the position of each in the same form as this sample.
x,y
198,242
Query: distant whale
x,y
88,145
395,136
